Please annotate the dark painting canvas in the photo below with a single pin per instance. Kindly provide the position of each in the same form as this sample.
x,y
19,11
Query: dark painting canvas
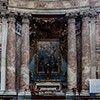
x,y
48,56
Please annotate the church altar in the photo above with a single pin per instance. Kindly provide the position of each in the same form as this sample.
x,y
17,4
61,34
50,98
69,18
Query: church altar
x,y
48,87
53,85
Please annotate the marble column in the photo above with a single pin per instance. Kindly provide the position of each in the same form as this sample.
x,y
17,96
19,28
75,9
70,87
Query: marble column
x,y
92,45
11,51
0,45
24,82
98,45
0,29
3,53
72,60
85,51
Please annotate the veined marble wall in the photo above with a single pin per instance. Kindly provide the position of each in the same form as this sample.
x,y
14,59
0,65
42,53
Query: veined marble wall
x,y
48,4
52,4
94,3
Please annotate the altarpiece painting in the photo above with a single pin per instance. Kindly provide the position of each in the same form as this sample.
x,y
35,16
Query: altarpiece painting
x,y
48,56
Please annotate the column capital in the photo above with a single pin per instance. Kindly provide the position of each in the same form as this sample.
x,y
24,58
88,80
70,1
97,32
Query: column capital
x,y
88,13
72,15
25,18
11,16
92,13
85,16
84,13
2,14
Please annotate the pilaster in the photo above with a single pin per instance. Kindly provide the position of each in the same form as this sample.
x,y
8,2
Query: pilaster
x,y
4,28
92,16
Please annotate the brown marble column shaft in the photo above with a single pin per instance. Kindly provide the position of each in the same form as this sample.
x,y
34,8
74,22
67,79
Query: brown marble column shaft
x,y
24,82
11,51
85,52
72,60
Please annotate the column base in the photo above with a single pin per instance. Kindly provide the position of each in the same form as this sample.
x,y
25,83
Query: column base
x,y
6,92
2,92
71,96
83,93
10,92
16,95
24,93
